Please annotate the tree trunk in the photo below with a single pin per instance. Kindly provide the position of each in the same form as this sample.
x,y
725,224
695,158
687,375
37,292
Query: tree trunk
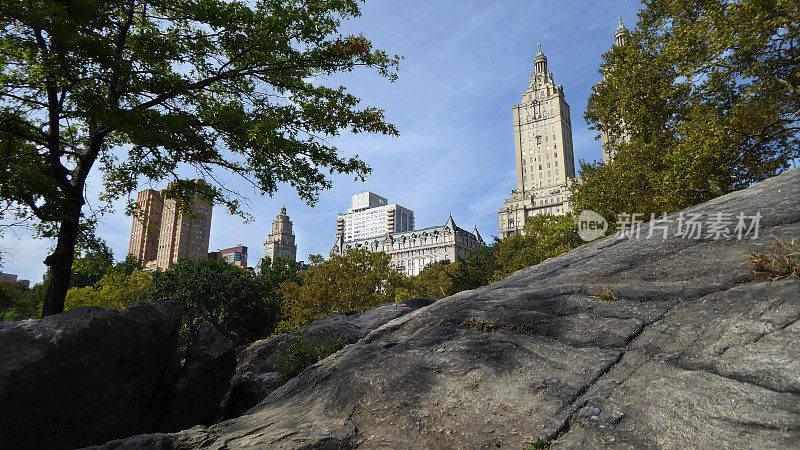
x,y
60,264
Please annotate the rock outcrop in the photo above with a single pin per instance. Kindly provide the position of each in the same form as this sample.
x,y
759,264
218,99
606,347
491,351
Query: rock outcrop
x,y
86,376
90,375
256,372
620,343
202,383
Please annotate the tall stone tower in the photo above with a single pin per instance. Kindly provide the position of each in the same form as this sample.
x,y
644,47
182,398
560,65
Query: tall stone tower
x,y
608,140
280,242
543,152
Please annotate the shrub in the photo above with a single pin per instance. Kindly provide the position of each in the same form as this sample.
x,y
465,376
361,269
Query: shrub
x,y
298,353
19,303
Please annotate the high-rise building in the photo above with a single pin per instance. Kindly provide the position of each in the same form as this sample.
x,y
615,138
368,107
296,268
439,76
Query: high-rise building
x,y
280,241
609,140
370,216
146,225
162,234
411,251
236,256
543,152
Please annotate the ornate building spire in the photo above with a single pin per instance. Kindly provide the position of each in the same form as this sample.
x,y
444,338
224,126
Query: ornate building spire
x,y
540,62
280,241
621,35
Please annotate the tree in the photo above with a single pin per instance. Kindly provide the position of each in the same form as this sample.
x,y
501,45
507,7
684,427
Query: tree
x,y
358,281
237,303
116,290
91,267
545,236
273,274
146,89
708,93
446,278
17,302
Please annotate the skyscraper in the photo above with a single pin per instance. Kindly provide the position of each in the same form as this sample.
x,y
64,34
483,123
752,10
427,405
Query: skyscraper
x,y
608,140
146,225
543,152
370,215
162,234
280,241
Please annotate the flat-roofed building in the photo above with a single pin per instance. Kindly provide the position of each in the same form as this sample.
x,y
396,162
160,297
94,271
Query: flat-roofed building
x,y
146,225
236,256
371,215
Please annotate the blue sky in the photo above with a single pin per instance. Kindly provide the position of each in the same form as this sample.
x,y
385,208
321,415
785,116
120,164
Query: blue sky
x,y
465,65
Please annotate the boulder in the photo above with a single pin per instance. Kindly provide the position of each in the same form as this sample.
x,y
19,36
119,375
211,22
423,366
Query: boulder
x,y
627,343
256,372
86,376
203,381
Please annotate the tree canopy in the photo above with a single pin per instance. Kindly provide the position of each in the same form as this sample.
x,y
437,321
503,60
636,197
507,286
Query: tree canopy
x,y
145,90
357,281
240,305
707,93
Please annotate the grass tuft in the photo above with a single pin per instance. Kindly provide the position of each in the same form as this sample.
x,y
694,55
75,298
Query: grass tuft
x,y
604,293
480,327
782,261
538,444
487,326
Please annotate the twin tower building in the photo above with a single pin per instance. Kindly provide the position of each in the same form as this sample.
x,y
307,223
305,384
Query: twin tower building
x,y
543,149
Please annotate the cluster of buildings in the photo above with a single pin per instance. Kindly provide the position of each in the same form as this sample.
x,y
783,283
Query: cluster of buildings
x,y
543,149
545,163
373,224
12,278
161,235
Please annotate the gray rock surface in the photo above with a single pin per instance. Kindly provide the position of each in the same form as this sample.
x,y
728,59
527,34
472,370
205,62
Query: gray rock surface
x,y
85,376
694,352
256,375
202,382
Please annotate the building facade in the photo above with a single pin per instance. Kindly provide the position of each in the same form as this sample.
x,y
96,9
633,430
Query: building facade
x,y
371,216
146,225
609,140
280,241
162,234
542,151
411,251
236,256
